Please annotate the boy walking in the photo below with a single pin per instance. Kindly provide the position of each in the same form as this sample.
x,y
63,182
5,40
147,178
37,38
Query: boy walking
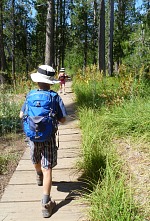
x,y
62,78
44,154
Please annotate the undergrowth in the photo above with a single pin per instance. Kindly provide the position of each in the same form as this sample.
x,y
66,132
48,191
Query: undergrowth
x,y
110,108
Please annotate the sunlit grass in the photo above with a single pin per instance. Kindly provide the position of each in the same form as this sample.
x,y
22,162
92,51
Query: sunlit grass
x,y
9,113
109,111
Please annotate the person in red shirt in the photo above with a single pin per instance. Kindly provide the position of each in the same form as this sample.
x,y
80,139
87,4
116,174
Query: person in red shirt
x,y
62,78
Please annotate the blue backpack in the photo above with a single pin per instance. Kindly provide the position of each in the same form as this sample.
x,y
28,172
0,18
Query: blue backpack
x,y
39,121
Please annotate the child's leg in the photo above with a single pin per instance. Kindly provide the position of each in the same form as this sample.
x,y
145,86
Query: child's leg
x,y
49,160
64,88
47,182
46,149
35,152
38,167
60,87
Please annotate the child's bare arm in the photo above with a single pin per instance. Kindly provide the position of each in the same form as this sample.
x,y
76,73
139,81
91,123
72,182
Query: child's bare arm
x,y
21,114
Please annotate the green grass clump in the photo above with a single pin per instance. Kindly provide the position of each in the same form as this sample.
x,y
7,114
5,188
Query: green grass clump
x,y
6,160
9,113
111,200
131,118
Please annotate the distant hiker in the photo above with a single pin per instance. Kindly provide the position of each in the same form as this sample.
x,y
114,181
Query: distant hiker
x,y
62,78
40,113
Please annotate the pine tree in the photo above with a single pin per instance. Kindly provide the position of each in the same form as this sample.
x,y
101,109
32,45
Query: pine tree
x,y
101,38
111,31
2,52
49,49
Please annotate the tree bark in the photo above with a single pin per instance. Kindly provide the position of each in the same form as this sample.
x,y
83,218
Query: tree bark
x,y
2,52
95,33
110,48
63,34
13,43
49,50
85,37
101,38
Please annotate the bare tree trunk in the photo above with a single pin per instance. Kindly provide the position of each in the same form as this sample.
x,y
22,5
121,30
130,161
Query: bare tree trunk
x,y
2,53
101,38
121,22
85,39
49,50
63,34
13,43
57,35
110,48
95,33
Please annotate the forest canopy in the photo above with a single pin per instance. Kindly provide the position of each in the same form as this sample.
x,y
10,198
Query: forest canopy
x,y
82,33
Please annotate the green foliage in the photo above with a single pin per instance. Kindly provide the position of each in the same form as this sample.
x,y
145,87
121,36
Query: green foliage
x,y
23,25
6,160
111,200
137,51
131,118
75,35
95,91
123,111
9,114
94,145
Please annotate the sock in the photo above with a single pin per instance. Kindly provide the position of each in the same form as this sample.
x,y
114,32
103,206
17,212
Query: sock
x,y
39,173
46,199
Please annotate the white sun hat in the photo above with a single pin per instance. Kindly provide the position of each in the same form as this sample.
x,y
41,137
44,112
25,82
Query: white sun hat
x,y
44,74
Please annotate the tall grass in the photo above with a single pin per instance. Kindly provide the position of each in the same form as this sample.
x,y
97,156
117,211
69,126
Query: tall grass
x,y
131,118
9,113
6,160
110,199
110,108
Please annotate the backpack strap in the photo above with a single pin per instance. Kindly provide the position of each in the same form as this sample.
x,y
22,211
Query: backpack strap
x,y
54,96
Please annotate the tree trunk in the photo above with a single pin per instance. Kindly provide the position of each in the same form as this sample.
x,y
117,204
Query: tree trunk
x,y
63,34
57,34
85,35
95,33
49,51
121,22
2,53
101,38
110,48
13,43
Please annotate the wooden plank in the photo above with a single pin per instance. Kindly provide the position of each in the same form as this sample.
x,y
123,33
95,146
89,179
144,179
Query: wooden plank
x,y
29,177
31,193
31,211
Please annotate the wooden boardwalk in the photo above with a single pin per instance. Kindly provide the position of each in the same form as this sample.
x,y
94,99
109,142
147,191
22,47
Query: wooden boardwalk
x,y
21,200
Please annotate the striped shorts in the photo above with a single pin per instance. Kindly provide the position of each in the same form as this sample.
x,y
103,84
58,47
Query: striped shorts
x,y
44,152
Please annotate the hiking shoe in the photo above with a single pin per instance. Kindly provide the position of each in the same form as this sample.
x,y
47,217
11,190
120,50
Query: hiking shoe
x,y
39,179
47,209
